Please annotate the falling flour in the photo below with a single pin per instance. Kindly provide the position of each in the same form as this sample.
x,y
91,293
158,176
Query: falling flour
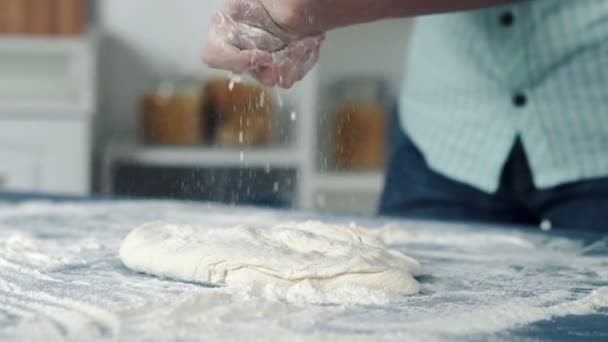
x,y
299,262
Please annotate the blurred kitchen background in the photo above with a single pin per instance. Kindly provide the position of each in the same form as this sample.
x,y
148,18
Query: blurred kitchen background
x,y
111,97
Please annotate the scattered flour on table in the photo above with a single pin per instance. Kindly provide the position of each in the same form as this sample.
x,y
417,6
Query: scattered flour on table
x,y
309,262
60,279
392,235
18,249
519,312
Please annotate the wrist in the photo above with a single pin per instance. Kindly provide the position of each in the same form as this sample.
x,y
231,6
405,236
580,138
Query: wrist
x,y
303,18
343,13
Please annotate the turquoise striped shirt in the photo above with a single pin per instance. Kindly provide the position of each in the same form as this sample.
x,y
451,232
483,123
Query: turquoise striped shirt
x,y
537,70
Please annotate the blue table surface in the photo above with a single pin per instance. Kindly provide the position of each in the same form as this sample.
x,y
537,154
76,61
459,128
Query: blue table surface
x,y
585,327
25,196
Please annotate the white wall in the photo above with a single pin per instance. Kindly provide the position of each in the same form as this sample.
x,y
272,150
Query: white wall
x,y
166,32
377,49
140,39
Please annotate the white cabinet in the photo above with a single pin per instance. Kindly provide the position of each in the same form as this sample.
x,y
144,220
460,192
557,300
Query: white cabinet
x,y
47,76
20,169
46,110
37,156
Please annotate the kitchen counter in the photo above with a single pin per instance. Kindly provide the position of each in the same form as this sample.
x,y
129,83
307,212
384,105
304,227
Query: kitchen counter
x,y
61,278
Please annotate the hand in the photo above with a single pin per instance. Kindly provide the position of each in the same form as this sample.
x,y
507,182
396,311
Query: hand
x,y
291,64
289,20
244,38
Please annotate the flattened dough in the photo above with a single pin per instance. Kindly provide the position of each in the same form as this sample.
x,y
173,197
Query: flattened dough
x,y
331,257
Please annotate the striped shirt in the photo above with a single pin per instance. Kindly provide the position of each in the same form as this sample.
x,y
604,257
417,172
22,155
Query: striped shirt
x,y
537,70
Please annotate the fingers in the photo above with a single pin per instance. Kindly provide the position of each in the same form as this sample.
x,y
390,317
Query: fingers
x,y
291,64
265,75
242,35
306,53
307,63
245,39
222,53
253,13
249,37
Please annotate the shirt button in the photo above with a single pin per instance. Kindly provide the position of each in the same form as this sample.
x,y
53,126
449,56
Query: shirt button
x,y
507,19
520,100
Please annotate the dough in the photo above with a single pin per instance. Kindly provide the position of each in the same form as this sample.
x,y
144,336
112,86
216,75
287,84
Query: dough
x,y
326,257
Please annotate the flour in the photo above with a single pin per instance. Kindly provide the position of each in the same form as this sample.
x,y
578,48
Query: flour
x,y
61,279
394,235
21,249
299,262
518,312
234,80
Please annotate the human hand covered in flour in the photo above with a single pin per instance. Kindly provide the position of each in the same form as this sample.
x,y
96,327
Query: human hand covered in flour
x,y
275,41
278,41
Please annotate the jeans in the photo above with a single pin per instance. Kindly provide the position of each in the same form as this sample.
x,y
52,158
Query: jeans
x,y
413,190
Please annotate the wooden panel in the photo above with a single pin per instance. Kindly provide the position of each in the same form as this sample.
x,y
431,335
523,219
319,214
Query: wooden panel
x,y
40,16
15,16
71,17
3,16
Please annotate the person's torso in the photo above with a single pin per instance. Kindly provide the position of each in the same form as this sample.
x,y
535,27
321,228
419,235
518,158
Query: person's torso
x,y
537,69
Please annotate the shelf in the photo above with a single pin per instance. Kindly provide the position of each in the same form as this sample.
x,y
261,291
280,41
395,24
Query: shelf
x,y
46,43
203,156
47,76
43,109
355,181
